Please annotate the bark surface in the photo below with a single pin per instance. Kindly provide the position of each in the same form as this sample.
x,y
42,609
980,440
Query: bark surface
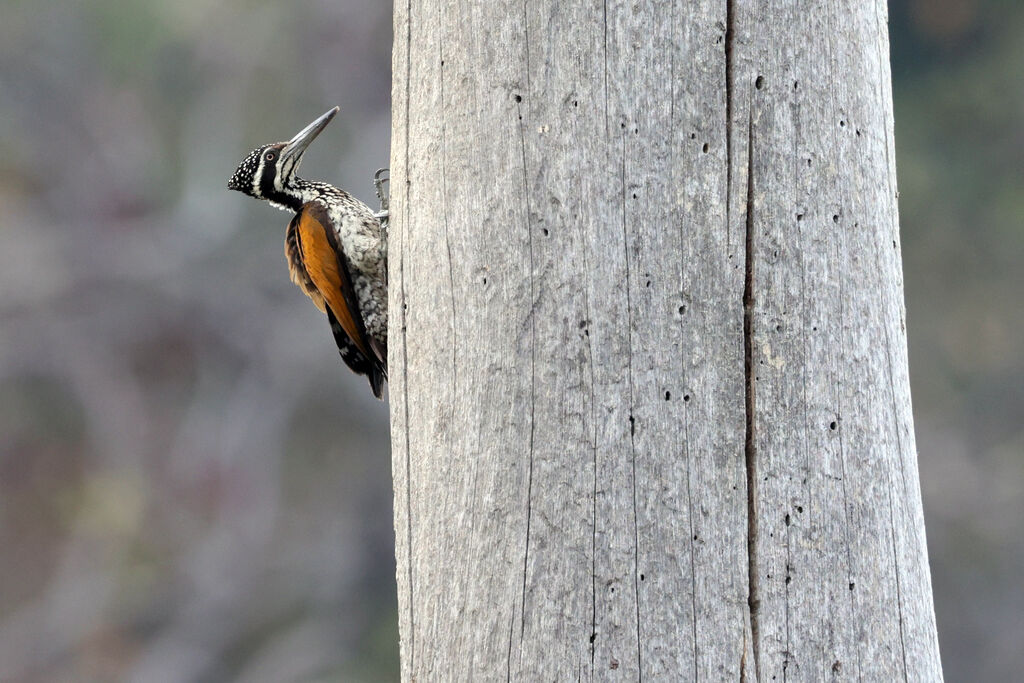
x,y
649,395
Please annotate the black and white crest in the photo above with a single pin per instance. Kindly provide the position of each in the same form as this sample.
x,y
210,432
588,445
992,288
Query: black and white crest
x,y
247,173
268,172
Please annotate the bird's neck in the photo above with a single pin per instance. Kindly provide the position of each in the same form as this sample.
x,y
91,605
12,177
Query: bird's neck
x,y
297,192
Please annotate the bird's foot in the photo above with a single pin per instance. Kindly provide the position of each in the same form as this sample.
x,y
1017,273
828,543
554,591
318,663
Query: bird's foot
x,y
381,177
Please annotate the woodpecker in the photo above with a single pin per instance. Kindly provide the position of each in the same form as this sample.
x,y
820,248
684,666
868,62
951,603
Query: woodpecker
x,y
335,245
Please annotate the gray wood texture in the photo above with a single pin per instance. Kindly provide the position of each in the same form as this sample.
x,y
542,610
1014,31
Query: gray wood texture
x,y
650,406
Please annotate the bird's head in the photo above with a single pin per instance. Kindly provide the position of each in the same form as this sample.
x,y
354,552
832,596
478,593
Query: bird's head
x,y
269,172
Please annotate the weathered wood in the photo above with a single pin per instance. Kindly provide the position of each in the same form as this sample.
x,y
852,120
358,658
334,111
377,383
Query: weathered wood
x,y
650,406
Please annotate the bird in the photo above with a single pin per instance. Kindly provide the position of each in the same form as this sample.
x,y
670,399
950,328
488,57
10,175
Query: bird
x,y
335,245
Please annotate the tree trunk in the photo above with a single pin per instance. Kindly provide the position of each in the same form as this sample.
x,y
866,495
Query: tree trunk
x,y
650,405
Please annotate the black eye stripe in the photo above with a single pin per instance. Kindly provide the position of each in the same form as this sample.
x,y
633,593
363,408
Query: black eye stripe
x,y
267,179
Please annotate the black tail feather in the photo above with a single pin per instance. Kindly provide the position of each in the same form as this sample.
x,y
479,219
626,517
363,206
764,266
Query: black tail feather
x,y
375,371
377,379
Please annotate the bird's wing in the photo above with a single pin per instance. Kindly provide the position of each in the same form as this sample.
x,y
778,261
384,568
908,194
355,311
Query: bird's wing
x,y
327,268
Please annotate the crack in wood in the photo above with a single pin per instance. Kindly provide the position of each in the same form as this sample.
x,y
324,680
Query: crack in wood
x,y
899,592
632,419
604,22
730,35
405,352
743,658
511,629
533,339
593,422
444,209
750,446
840,256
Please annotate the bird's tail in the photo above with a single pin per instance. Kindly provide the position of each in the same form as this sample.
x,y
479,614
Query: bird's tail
x,y
375,370
378,377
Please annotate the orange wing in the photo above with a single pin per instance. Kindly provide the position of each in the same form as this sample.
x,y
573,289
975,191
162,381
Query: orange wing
x,y
325,265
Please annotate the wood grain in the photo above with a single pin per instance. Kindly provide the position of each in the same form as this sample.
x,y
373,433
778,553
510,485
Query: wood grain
x,y
650,407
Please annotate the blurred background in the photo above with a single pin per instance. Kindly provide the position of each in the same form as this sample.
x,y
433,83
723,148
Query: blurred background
x,y
192,488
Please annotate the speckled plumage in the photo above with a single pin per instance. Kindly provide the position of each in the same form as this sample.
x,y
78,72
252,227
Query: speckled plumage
x,y
364,244
357,239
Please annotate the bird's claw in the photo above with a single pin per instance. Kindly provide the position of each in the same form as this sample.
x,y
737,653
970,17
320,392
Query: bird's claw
x,y
382,176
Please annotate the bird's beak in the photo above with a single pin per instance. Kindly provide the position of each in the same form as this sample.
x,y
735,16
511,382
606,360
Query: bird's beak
x,y
298,144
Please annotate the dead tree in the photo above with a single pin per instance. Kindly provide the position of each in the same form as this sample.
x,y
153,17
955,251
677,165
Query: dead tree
x,y
649,395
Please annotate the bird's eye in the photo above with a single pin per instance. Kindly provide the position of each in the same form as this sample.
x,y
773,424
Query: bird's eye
x,y
270,156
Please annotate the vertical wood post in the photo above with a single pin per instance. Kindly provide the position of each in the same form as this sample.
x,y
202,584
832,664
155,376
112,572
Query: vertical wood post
x,y
650,406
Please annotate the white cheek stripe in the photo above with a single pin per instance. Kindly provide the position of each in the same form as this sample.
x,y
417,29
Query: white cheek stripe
x,y
256,178
286,172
